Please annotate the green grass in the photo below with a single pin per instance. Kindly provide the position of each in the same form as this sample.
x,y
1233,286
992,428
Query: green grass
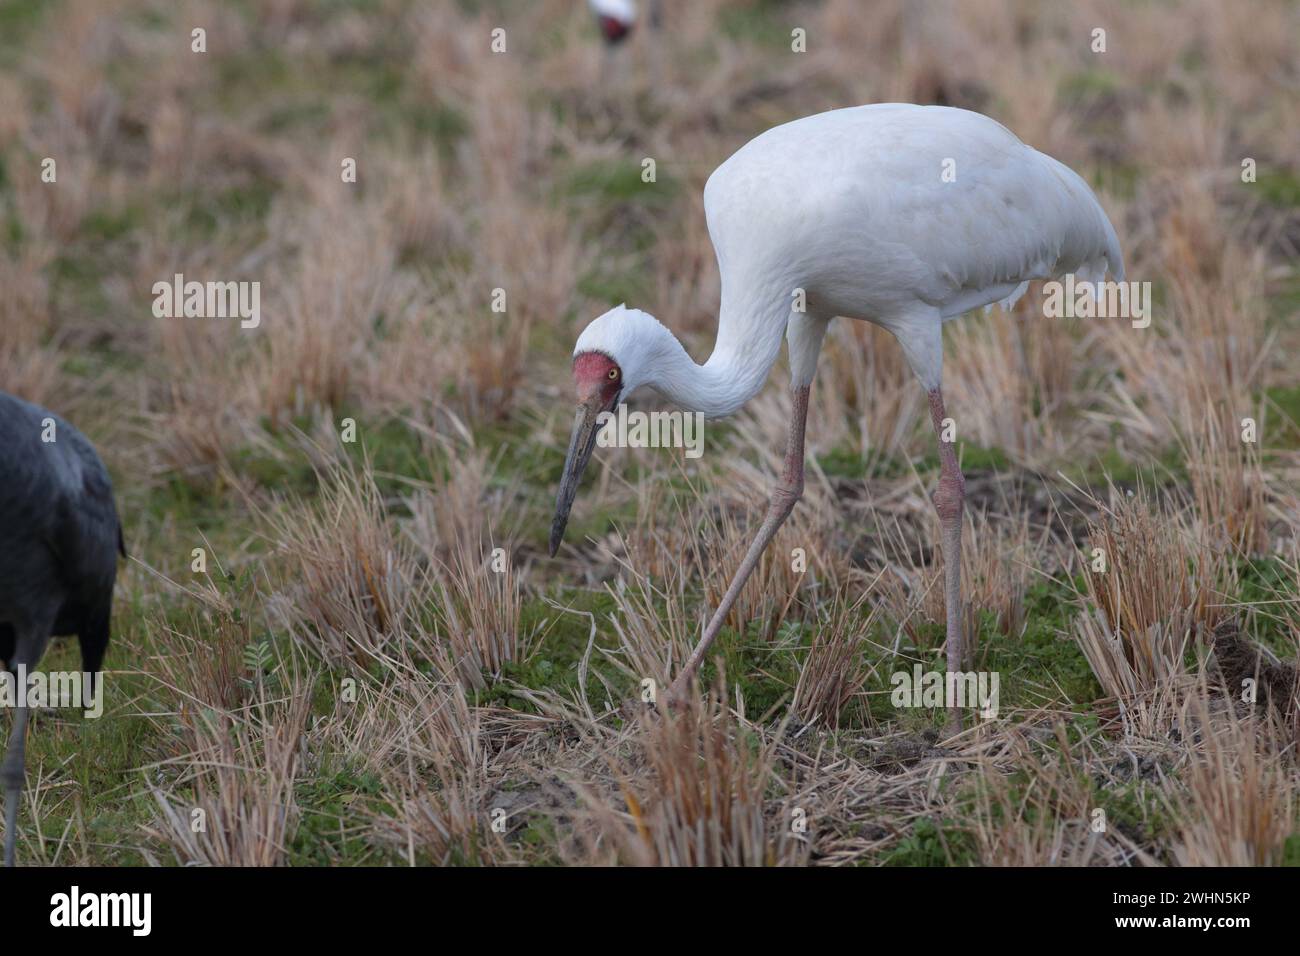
x,y
19,19
1291,850
1044,664
106,788
843,462
561,643
1087,85
1279,187
1283,430
208,211
767,23
616,181
1268,585
764,675
603,285
327,798
932,843
1135,810
1167,469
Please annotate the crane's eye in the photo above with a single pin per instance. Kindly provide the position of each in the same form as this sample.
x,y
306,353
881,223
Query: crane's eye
x,y
613,375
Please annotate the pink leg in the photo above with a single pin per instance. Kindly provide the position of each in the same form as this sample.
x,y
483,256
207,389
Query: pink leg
x,y
788,490
948,501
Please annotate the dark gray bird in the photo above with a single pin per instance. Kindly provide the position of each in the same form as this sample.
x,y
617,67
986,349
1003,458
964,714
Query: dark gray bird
x,y
59,542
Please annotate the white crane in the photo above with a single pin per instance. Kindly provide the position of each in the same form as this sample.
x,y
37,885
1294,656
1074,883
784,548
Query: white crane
x,y
614,17
905,216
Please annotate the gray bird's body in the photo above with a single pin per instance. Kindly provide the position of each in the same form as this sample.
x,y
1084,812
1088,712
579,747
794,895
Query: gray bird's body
x,y
59,542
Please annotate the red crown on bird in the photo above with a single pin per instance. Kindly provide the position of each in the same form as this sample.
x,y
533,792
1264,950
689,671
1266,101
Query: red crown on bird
x,y
595,373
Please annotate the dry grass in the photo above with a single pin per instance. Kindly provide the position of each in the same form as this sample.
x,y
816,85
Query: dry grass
x,y
836,668
1147,602
476,599
654,629
434,762
241,774
693,793
348,573
1229,488
1239,802
236,745
1042,814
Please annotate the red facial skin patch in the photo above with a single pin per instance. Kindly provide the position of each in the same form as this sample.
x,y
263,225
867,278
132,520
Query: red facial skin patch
x,y
591,376
614,30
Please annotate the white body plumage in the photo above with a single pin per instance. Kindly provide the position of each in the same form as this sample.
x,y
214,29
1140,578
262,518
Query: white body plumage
x,y
902,215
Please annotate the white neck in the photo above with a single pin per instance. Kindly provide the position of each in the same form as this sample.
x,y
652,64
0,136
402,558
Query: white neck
x,y
747,347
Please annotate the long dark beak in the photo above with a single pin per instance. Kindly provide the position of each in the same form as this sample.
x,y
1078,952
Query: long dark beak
x,y
581,442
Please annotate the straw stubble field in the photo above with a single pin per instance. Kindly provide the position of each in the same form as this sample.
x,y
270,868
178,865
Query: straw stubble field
x,y
358,675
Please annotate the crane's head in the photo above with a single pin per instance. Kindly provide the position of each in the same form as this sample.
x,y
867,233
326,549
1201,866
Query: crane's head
x,y
615,18
613,356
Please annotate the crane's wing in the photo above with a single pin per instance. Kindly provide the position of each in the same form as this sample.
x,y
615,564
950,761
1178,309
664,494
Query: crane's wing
x,y
87,535
57,493
878,208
